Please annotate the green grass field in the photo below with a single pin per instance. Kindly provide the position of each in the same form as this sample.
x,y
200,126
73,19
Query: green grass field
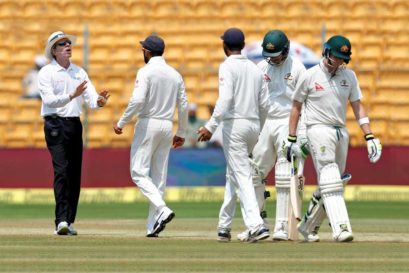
x,y
112,239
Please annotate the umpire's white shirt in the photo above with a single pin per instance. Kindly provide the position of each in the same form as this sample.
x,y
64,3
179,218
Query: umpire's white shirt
x,y
326,95
56,84
242,92
281,81
158,89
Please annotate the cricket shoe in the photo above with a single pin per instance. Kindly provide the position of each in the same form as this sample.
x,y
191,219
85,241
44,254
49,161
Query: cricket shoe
x,y
280,235
223,235
243,236
308,237
152,235
62,228
260,234
71,230
345,236
165,216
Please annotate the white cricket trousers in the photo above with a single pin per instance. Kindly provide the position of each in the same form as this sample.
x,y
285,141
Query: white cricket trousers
x,y
328,145
269,145
149,162
239,138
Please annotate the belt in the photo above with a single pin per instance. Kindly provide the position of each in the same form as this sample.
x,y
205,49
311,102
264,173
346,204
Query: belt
x,y
50,117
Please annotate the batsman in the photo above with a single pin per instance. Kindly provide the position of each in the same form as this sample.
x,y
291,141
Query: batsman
x,y
281,74
325,90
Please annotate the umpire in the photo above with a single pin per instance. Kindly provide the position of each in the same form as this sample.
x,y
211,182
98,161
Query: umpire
x,y
63,87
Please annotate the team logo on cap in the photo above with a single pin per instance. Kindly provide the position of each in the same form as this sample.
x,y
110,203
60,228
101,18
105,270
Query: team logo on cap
x,y
344,48
270,46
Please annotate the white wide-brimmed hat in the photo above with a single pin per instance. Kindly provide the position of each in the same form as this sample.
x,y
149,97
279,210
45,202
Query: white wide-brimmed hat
x,y
55,37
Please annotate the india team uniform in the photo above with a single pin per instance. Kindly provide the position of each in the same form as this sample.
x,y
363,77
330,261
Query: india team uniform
x,y
158,90
325,99
281,81
242,107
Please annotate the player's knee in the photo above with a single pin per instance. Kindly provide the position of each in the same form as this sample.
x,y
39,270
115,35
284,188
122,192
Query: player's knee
x,y
282,173
330,179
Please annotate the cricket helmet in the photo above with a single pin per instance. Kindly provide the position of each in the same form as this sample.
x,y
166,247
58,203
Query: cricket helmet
x,y
275,43
338,46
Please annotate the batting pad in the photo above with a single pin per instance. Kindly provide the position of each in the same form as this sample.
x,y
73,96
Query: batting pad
x,y
332,191
282,173
315,214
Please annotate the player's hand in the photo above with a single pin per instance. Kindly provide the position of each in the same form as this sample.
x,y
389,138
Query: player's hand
x,y
204,134
290,147
178,142
117,130
79,90
374,148
103,98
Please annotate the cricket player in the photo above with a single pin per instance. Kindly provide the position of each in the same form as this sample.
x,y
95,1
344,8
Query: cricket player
x,y
281,74
324,90
242,107
158,90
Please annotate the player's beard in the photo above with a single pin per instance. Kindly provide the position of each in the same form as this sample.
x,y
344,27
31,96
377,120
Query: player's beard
x,y
145,58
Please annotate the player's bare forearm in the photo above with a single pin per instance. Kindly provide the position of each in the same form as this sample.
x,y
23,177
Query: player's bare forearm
x,y
361,116
294,117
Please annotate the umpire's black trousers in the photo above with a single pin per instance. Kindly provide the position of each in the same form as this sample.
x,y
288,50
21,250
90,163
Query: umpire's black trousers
x,y
64,141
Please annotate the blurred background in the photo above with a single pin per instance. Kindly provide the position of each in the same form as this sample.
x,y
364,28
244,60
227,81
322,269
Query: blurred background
x,y
108,35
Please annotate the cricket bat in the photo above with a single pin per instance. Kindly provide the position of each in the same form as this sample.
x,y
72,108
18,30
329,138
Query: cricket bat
x,y
296,195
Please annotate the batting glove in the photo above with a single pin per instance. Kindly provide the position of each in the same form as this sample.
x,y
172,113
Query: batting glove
x,y
374,148
290,147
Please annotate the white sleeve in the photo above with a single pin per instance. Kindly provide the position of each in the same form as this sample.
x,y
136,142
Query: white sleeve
x,y
182,110
356,93
48,97
225,98
264,104
137,101
90,95
301,90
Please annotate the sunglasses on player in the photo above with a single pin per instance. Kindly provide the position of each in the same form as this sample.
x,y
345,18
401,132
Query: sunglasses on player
x,y
63,43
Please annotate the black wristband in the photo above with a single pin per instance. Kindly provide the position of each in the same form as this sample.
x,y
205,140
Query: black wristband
x,y
292,139
369,136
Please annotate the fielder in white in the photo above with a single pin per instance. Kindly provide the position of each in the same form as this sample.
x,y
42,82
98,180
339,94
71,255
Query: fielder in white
x,y
325,90
242,107
158,90
281,74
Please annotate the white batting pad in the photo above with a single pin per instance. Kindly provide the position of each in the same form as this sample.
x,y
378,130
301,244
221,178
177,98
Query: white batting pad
x,y
282,173
332,190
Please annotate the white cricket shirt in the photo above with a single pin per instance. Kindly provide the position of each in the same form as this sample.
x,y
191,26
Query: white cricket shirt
x,y
281,81
56,84
242,92
159,88
325,96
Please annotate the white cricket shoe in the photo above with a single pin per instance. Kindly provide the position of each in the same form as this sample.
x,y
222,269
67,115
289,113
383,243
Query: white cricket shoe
x,y
280,235
165,216
345,236
223,235
72,231
243,236
62,228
